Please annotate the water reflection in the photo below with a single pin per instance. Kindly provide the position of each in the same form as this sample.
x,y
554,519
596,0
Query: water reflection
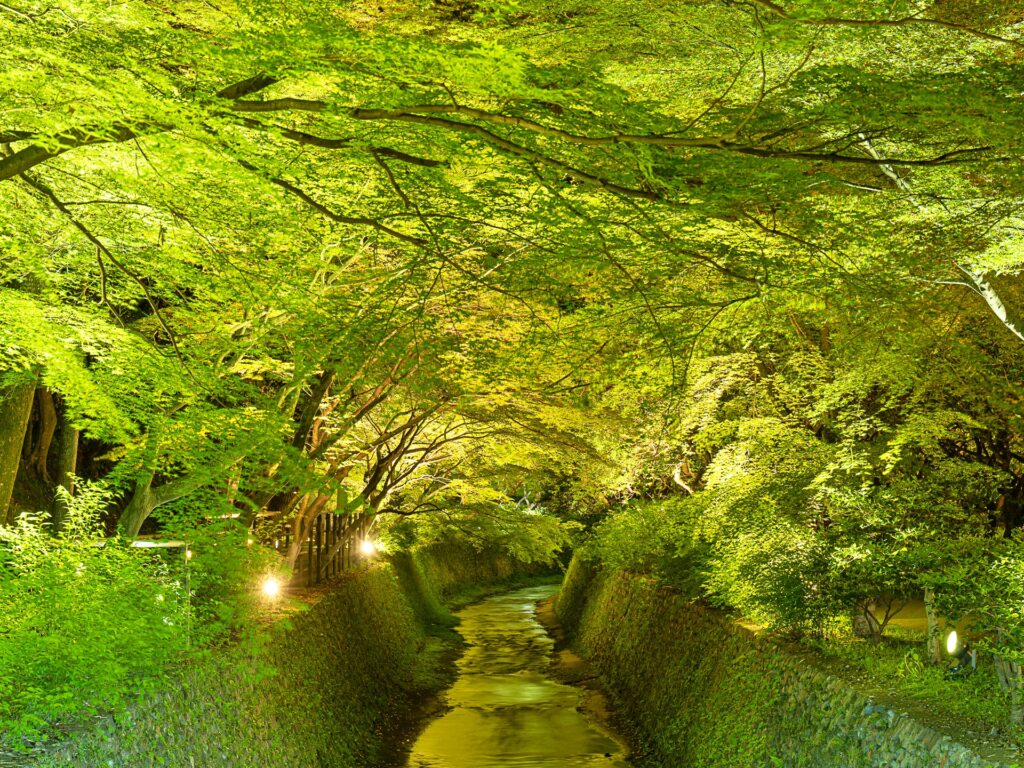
x,y
506,711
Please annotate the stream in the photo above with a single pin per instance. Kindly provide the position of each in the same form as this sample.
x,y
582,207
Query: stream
x,y
505,710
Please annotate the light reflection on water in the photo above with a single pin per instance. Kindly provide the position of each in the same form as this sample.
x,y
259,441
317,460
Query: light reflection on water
x,y
506,711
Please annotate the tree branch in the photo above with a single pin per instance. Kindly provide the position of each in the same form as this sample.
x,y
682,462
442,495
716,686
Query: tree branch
x,y
332,215
834,21
30,156
248,86
48,193
301,137
502,143
420,114
287,104
311,409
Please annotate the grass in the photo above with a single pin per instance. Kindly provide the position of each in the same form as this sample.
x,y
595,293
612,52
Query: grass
x,y
974,710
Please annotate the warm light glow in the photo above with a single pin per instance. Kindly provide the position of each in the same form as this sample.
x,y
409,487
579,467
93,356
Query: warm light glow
x,y
248,542
147,544
271,587
367,547
952,643
188,554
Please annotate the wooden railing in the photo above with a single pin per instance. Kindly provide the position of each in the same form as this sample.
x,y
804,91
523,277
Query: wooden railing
x,y
331,548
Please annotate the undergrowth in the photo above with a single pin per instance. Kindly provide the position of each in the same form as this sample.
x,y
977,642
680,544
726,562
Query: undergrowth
x,y
896,666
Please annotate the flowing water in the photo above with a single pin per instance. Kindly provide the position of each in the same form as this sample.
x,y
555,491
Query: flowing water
x,y
506,711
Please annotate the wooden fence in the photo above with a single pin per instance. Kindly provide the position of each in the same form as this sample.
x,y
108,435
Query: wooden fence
x,y
331,548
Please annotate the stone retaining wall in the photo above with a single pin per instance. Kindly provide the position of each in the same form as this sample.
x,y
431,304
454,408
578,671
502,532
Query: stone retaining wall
x,y
328,687
698,691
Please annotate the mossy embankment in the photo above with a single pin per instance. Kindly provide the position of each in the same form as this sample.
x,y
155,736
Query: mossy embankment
x,y
447,575
696,690
330,685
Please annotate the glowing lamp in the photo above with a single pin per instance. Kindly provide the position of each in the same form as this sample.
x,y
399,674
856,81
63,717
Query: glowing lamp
x,y
367,547
188,554
271,587
952,643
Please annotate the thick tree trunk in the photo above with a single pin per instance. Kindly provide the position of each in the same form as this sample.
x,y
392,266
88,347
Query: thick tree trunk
x,y
860,625
146,498
65,464
311,409
298,533
44,437
141,504
15,409
272,501
305,517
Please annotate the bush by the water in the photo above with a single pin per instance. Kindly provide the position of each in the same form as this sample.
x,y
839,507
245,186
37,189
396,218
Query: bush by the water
x,y
85,623
89,623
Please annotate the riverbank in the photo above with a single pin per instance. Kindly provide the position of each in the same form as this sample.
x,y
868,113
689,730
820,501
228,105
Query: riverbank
x,y
699,690
572,669
329,681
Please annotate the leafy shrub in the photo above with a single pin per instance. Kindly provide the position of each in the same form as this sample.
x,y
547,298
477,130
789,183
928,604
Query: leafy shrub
x,y
224,576
659,538
85,623
779,577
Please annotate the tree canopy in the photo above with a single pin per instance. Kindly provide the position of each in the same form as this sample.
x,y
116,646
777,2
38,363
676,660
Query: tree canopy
x,y
493,269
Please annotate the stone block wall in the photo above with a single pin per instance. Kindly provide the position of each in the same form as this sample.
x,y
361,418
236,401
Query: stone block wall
x,y
698,691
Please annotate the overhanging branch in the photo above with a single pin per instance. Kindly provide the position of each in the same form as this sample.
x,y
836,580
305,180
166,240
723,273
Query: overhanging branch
x,y
904,21
329,213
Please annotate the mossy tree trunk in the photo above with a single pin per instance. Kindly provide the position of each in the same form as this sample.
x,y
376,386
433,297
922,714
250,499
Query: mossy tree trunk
x,y
44,432
15,409
1009,674
65,465
146,498
140,505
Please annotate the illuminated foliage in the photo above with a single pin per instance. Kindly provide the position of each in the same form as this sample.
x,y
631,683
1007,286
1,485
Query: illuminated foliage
x,y
456,267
